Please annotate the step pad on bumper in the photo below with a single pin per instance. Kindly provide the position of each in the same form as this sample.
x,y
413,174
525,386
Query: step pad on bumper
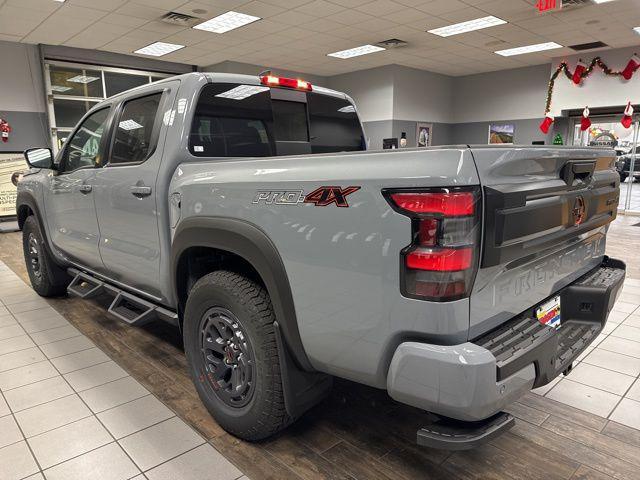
x,y
585,305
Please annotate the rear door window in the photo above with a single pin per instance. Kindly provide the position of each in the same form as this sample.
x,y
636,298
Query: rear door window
x,y
134,139
232,121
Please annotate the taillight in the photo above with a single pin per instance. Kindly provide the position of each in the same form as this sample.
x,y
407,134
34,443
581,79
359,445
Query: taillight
x,y
440,264
274,81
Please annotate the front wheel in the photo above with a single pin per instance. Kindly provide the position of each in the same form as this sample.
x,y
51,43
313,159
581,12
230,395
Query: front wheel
x,y
47,278
623,177
230,343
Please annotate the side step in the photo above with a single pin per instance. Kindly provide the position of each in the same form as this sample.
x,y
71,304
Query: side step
x,y
449,434
132,310
84,286
125,306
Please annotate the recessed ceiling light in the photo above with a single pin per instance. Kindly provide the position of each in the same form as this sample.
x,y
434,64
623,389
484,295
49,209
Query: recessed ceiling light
x,y
59,1
356,52
602,1
226,22
539,47
637,30
242,91
82,79
470,26
159,49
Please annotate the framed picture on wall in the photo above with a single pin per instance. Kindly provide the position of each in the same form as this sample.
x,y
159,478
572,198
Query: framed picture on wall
x,y
501,133
424,132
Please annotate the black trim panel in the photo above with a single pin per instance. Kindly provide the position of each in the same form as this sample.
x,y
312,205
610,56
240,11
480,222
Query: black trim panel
x,y
251,243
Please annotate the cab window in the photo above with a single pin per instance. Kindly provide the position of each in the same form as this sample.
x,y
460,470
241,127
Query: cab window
x,y
85,148
134,139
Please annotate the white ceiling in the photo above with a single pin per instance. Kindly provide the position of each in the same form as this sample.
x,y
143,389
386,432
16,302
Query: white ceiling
x,y
297,34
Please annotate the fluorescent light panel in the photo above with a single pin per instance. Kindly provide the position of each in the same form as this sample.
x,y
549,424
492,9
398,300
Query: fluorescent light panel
x,y
602,1
60,88
637,30
82,79
538,47
470,26
356,52
226,22
159,49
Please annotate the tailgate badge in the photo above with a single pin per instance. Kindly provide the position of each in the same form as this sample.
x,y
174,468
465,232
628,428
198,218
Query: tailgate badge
x,y
578,211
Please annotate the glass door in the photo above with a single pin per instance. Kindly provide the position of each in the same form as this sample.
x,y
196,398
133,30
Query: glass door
x,y
608,131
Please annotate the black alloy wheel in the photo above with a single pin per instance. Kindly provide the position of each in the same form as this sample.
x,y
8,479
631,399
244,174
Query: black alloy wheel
x,y
228,357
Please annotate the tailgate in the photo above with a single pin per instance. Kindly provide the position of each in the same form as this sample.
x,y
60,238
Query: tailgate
x,y
546,212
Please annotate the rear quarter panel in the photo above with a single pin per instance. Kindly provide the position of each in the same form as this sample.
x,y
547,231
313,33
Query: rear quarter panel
x,y
342,263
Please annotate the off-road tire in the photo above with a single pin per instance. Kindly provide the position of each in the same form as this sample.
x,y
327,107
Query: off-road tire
x,y
265,413
47,278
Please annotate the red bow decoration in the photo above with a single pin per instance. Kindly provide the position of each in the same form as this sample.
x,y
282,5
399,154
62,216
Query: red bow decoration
x,y
585,122
546,123
577,74
627,119
632,66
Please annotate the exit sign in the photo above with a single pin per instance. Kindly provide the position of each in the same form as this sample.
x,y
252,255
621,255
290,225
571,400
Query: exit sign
x,y
547,5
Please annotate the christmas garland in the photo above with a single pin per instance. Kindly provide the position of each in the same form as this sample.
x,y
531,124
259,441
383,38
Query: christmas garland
x,y
581,72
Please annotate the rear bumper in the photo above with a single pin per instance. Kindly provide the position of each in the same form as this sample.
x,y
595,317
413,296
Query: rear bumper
x,y
477,379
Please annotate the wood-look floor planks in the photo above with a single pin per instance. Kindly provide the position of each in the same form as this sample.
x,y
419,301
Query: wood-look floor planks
x,y
359,432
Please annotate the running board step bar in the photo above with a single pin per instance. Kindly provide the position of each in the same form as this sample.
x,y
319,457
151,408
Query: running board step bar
x,y
450,434
125,306
132,310
84,286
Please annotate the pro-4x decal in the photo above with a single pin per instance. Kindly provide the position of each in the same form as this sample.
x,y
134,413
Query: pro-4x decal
x,y
320,197
324,196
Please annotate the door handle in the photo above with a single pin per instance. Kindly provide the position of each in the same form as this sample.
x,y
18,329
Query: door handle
x,y
140,191
85,188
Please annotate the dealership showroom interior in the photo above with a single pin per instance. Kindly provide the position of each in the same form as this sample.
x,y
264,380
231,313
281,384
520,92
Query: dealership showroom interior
x,y
319,239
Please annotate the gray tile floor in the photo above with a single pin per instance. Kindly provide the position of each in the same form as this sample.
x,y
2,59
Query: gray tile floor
x,y
606,379
68,412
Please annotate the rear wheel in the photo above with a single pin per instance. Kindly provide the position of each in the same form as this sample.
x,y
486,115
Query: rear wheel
x,y
230,342
47,278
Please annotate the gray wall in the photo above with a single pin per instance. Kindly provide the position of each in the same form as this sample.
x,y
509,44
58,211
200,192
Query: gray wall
x,y
22,98
526,131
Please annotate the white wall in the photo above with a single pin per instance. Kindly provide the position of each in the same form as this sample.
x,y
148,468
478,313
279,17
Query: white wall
x,y
372,90
598,90
21,88
505,95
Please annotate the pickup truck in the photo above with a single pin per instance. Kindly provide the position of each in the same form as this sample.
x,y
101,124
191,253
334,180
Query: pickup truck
x,y
246,211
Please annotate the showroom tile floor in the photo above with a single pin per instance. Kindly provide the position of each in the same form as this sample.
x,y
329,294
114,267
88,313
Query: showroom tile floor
x,y
67,411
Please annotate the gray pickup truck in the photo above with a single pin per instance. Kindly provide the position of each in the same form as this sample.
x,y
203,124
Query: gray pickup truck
x,y
246,211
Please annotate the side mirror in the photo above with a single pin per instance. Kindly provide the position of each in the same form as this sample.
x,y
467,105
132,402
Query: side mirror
x,y
39,157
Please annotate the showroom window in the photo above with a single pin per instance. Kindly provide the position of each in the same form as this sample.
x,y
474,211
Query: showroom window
x,y
73,89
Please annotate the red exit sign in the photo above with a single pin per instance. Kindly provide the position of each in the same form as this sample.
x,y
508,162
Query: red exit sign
x,y
546,5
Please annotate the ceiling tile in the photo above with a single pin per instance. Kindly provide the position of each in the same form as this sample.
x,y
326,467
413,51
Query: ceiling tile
x,y
320,8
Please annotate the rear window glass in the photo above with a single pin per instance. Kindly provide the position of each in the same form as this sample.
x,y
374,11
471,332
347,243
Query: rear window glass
x,y
290,120
233,120
334,125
